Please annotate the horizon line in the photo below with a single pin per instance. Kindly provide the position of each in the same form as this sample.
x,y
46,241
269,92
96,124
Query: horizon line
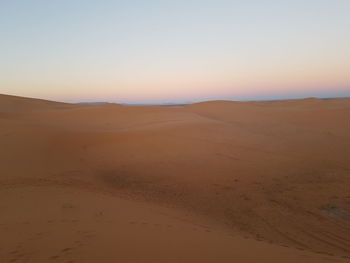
x,y
181,103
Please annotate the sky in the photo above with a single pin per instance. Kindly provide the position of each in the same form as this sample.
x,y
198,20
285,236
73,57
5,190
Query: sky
x,y
137,51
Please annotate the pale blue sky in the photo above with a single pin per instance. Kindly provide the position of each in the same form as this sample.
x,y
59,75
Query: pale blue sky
x,y
155,51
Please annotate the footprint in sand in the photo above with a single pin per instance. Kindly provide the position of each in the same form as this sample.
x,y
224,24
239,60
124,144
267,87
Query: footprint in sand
x,y
54,257
16,255
66,249
62,253
79,243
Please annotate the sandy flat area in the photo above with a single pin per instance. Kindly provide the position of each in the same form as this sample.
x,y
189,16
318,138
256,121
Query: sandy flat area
x,y
217,181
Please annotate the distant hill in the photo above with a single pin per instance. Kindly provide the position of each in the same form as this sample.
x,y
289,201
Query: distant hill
x,y
93,103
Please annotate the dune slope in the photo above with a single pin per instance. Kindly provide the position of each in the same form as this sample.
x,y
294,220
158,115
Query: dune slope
x,y
252,181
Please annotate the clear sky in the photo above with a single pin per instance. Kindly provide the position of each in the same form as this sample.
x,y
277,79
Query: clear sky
x,y
174,51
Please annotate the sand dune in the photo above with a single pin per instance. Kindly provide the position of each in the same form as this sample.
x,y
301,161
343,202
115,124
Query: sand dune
x,y
217,181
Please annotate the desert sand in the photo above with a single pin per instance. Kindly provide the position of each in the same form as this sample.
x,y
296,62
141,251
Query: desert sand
x,y
217,181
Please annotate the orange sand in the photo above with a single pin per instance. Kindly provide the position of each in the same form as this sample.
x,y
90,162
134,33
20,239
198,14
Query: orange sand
x,y
217,181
